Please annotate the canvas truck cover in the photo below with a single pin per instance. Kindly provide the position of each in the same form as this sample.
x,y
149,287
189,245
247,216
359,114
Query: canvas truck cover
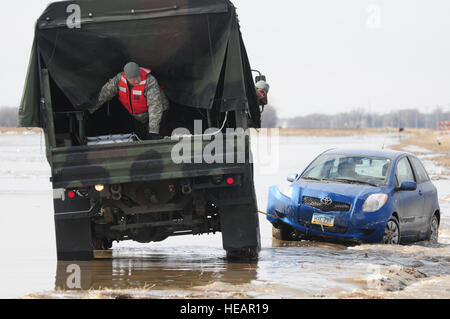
x,y
193,47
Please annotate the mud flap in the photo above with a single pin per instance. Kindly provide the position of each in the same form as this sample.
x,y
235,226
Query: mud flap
x,y
240,231
74,239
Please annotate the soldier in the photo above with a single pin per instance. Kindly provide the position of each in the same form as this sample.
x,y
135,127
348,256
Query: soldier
x,y
140,94
262,89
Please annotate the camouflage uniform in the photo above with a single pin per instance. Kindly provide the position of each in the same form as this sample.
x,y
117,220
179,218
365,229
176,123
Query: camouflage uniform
x,y
156,100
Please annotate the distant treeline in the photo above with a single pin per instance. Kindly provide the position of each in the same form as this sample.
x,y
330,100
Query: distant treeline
x,y
353,119
360,119
8,116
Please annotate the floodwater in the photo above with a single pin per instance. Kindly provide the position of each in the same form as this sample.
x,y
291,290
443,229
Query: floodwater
x,y
194,266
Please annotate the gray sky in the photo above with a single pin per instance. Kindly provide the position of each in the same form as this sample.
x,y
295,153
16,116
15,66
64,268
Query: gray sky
x,y
322,56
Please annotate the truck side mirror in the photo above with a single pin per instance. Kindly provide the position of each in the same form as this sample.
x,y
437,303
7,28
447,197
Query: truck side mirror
x,y
260,78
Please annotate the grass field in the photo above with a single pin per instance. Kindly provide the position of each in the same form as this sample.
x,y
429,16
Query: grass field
x,y
430,140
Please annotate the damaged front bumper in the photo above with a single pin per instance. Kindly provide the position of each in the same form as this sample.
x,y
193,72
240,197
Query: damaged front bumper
x,y
359,227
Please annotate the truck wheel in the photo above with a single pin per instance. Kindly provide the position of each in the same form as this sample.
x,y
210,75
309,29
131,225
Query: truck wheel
x,y
240,231
74,239
102,244
243,254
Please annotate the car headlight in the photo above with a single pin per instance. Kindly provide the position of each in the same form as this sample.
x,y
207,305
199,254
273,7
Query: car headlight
x,y
374,202
286,191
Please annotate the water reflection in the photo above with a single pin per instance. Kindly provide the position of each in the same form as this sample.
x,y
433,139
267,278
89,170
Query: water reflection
x,y
156,272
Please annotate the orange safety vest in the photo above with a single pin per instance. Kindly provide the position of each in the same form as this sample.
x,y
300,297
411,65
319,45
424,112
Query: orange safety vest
x,y
135,103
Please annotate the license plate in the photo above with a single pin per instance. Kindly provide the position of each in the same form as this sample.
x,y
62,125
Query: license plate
x,y
325,220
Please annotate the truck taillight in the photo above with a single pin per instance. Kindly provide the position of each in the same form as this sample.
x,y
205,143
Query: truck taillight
x,y
71,194
230,180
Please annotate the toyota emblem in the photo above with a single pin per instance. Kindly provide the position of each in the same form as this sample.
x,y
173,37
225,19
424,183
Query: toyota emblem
x,y
326,201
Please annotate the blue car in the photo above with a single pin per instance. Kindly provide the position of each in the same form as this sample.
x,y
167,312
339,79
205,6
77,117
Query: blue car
x,y
357,196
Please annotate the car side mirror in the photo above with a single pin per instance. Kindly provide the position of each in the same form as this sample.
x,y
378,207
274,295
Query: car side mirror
x,y
291,178
408,186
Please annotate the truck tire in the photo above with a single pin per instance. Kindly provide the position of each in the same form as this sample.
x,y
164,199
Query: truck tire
x,y
240,231
102,244
74,240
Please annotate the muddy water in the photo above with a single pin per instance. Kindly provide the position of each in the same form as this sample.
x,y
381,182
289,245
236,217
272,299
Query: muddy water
x,y
194,266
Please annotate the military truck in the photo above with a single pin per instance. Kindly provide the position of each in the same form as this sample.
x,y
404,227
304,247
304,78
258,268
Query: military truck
x,y
111,186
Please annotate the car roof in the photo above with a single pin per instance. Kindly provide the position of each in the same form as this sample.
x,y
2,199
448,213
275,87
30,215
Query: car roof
x,y
391,154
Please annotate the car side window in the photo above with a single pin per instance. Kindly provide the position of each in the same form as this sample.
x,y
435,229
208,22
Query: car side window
x,y
422,175
404,172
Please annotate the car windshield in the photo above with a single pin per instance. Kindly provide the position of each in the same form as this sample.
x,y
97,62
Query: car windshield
x,y
356,169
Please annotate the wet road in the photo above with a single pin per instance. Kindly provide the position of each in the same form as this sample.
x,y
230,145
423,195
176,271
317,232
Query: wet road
x,y
194,266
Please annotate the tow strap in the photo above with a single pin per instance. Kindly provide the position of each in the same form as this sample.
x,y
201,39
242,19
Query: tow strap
x,y
276,217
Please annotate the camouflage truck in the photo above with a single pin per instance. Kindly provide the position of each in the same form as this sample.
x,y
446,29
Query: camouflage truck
x,y
109,186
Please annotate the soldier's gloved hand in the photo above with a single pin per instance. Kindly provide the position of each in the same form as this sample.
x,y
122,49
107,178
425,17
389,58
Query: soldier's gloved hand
x,y
153,136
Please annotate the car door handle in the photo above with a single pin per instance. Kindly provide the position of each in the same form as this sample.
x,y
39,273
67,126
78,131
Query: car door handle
x,y
420,193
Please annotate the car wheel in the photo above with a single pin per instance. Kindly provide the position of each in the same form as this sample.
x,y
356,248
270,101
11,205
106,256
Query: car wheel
x,y
434,229
283,232
392,232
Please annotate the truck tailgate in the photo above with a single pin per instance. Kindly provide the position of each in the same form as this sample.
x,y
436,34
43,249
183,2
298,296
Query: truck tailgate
x,y
130,162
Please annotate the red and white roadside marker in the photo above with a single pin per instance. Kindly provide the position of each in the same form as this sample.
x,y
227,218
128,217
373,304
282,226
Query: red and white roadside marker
x,y
444,127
